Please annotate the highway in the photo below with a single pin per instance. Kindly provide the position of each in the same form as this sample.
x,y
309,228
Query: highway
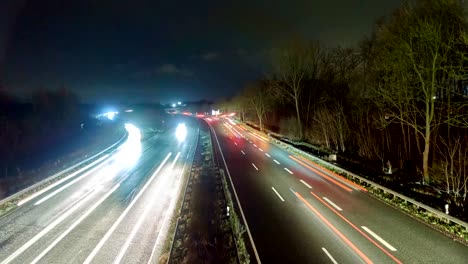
x,y
297,213
116,211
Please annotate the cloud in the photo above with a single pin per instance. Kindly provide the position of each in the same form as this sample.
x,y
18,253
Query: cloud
x,y
209,56
171,69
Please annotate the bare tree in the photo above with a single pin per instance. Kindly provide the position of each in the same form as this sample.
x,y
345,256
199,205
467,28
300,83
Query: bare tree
x,y
452,169
258,96
292,65
418,50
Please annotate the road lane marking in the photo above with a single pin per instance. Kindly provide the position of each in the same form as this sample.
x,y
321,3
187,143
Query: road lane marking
x,y
277,162
357,229
164,230
268,155
254,166
322,174
243,152
335,230
338,177
259,137
29,198
332,204
281,198
257,257
385,243
235,143
52,194
76,223
121,217
290,172
142,217
44,231
306,184
254,145
260,149
329,255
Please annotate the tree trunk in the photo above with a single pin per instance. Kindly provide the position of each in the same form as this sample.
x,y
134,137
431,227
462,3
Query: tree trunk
x,y
299,123
427,145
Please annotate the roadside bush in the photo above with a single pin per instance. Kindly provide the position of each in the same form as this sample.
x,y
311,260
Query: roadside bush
x,y
290,128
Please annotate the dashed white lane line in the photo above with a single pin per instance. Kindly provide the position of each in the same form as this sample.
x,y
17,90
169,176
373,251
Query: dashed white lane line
x,y
235,143
254,166
243,152
260,149
254,145
286,169
268,155
329,256
306,184
281,198
277,162
385,243
332,204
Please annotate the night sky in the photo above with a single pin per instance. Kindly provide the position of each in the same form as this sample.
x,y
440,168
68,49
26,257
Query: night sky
x,y
161,51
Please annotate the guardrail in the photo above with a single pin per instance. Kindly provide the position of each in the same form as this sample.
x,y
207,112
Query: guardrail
x,y
58,174
374,186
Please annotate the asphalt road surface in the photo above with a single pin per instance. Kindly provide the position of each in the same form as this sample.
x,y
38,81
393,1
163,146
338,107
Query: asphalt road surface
x,y
114,212
296,213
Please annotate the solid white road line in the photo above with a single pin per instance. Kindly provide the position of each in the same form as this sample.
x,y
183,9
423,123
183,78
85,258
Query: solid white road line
x,y
137,226
268,155
286,169
260,149
306,184
237,199
277,162
77,222
332,204
29,198
281,198
385,243
243,152
114,226
329,255
254,166
45,231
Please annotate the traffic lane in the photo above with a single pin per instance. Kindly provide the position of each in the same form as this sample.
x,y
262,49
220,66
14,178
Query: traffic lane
x,y
11,247
140,234
40,243
286,184
414,240
412,237
27,220
282,234
113,237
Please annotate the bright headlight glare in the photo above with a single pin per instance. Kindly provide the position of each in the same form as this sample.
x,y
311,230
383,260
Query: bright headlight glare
x,y
181,132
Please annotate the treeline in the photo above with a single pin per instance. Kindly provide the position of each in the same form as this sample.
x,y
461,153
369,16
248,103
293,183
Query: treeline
x,y
398,100
40,128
